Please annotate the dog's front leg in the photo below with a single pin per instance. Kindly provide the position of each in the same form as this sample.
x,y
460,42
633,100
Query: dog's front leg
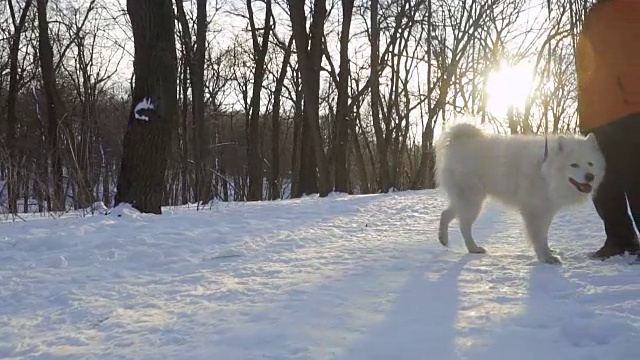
x,y
537,224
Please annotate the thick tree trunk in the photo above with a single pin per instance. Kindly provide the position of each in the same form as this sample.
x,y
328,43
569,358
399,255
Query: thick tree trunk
x,y
341,171
152,117
309,51
53,106
197,88
359,155
186,75
254,157
296,153
84,152
184,135
274,180
381,145
308,175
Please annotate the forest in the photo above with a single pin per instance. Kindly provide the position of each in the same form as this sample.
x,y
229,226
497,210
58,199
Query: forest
x,y
163,103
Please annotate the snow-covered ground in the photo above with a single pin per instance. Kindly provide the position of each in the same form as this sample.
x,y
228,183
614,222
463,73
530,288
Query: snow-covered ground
x,y
343,278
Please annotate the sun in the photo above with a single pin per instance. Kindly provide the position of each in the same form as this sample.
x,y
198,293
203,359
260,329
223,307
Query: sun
x,y
508,88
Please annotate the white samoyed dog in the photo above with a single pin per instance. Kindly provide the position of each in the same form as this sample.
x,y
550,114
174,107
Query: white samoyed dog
x,y
518,172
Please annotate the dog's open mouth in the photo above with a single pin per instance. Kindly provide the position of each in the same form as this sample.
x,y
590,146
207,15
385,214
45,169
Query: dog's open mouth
x,y
582,187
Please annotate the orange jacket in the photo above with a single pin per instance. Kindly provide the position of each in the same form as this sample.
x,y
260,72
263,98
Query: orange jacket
x,y
608,63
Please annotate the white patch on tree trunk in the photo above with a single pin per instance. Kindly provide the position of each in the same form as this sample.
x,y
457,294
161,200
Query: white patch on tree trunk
x,y
145,104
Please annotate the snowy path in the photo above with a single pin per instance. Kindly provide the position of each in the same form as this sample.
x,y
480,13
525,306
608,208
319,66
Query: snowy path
x,y
341,278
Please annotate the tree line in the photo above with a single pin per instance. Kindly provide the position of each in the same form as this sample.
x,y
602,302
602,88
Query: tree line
x,y
161,103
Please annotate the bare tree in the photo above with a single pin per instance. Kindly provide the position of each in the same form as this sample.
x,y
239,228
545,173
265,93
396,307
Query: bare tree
x,y
154,106
274,180
341,171
194,58
54,107
197,88
92,67
464,21
383,167
12,97
309,52
260,48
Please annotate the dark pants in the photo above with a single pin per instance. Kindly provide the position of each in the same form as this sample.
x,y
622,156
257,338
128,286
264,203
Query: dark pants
x,y
619,142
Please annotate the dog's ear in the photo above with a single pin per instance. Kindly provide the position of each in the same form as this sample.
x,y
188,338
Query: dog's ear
x,y
561,141
592,139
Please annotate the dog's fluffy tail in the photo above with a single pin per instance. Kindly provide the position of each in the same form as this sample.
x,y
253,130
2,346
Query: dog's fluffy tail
x,y
461,131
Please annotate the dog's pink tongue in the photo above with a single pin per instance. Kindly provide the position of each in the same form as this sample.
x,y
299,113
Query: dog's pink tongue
x,y
585,188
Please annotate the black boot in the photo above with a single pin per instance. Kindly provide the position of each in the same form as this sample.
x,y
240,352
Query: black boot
x,y
616,247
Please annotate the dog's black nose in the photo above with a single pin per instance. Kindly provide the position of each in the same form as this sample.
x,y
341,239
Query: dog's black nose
x,y
589,177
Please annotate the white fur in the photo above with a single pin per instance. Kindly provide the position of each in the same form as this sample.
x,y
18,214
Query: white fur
x,y
471,165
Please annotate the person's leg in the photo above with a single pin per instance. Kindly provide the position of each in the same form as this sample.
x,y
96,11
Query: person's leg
x,y
611,205
629,157
610,199
632,184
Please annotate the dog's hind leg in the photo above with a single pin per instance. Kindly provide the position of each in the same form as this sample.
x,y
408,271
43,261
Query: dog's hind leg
x,y
468,211
537,224
445,219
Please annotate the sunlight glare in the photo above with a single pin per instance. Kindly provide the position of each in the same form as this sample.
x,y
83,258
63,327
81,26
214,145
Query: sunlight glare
x,y
508,87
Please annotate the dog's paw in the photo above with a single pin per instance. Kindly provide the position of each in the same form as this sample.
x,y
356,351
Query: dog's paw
x,y
444,239
551,259
477,250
